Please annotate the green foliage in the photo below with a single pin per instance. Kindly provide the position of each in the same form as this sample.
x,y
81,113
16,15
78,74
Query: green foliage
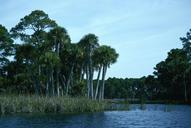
x,y
171,72
6,46
58,35
79,89
37,21
129,89
186,42
36,104
50,58
107,55
89,42
46,62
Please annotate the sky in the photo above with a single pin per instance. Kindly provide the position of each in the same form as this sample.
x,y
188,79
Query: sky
x,y
142,32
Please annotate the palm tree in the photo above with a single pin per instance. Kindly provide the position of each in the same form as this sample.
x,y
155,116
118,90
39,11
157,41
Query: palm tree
x,y
69,61
89,43
97,57
58,38
108,57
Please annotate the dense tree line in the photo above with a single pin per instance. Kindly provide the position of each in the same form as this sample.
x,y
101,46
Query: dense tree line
x,y
171,79
145,88
37,57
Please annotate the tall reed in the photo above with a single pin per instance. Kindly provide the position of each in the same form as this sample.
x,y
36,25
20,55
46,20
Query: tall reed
x,y
38,104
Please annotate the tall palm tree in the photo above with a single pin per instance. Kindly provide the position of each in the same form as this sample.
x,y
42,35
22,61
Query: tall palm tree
x,y
97,57
89,43
69,58
108,57
58,38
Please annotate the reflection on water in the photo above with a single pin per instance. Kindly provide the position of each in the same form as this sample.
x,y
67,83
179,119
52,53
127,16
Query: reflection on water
x,y
153,116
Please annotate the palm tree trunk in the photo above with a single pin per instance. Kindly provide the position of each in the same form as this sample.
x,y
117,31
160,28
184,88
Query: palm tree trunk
x,y
103,81
47,83
87,81
57,83
69,79
57,50
62,80
67,86
97,86
92,85
91,77
52,83
101,88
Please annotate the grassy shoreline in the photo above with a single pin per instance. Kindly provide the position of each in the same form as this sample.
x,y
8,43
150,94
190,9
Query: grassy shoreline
x,y
39,104
10,104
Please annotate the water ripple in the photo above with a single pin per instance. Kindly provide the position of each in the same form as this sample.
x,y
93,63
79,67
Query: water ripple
x,y
154,116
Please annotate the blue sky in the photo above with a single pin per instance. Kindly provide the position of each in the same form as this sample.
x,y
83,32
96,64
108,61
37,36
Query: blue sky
x,y
142,32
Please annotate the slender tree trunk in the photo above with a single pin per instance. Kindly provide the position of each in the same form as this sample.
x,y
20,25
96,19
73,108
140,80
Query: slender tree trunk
x,y
91,77
52,83
47,88
97,86
101,88
103,81
63,81
69,80
91,84
57,50
57,83
62,84
90,93
87,81
67,86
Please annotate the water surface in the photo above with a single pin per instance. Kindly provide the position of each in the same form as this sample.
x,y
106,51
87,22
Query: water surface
x,y
152,116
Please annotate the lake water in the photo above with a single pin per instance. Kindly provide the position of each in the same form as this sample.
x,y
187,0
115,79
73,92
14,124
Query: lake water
x,y
150,116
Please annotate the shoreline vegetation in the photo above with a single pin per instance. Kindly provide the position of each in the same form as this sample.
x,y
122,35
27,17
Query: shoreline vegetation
x,y
41,104
15,104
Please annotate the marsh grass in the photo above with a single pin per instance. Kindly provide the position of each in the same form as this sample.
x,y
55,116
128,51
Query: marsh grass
x,y
38,104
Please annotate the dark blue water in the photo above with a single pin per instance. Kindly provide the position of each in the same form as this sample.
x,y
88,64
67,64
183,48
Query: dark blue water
x,y
152,116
